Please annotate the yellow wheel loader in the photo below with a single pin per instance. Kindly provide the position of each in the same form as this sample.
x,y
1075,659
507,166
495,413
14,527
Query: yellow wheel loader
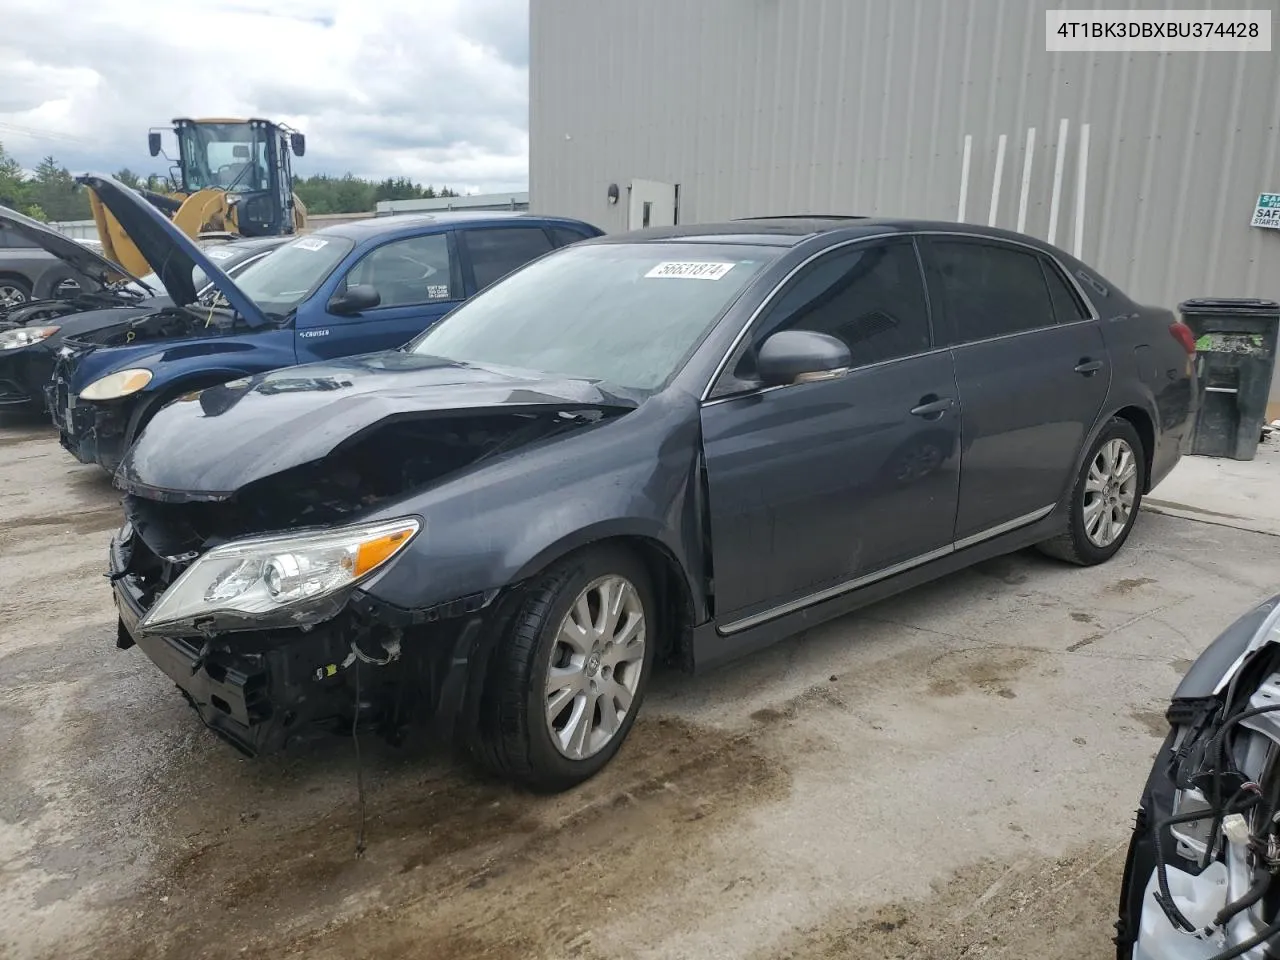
x,y
232,179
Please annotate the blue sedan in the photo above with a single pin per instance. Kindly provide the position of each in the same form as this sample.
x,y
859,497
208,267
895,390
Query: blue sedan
x,y
348,289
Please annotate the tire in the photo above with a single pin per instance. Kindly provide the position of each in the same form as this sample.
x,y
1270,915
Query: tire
x,y
1076,544
13,291
516,738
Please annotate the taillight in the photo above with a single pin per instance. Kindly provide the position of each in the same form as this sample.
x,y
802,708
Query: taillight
x,y
1182,333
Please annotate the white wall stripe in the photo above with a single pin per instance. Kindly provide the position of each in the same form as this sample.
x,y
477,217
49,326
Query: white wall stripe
x,y
1027,157
1082,171
964,176
997,179
1056,197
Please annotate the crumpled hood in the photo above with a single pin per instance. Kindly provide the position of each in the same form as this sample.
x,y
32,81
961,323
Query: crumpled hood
x,y
172,254
76,255
206,446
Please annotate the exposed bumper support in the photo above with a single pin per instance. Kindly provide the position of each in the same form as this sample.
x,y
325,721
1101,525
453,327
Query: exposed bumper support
x,y
259,691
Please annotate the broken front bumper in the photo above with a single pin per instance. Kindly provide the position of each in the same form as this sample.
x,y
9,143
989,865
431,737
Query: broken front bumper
x,y
91,432
258,691
19,369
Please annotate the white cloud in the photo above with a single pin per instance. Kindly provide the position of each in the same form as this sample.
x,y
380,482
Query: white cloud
x,y
435,90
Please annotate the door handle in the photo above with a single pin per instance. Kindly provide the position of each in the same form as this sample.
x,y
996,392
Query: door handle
x,y
1087,367
931,407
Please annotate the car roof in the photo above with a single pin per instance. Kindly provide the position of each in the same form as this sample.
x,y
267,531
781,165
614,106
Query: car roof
x,y
371,227
247,243
788,231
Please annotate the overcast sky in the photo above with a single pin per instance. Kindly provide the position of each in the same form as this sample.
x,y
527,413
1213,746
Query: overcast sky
x,y
436,90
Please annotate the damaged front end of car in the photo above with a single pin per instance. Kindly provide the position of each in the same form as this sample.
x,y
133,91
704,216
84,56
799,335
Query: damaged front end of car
x,y
95,399
1200,880
261,603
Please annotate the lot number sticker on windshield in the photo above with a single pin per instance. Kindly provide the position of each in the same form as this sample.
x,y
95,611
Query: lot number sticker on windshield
x,y
218,254
691,270
310,243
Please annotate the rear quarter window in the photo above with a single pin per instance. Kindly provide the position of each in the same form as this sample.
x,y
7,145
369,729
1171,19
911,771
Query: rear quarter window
x,y
1067,306
563,236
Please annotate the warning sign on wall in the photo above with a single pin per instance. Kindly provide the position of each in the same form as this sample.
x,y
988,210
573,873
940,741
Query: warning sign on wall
x,y
1267,212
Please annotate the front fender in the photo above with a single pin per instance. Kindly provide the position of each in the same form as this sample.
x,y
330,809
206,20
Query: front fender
x,y
632,476
1222,659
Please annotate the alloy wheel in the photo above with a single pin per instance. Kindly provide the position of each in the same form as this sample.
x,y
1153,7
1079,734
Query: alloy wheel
x,y
11,296
596,662
1109,492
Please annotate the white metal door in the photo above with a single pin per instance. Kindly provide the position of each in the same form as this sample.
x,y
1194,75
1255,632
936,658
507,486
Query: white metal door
x,y
653,204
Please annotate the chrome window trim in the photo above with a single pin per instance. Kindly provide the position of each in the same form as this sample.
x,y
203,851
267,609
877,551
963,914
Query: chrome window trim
x,y
1018,333
962,234
831,593
800,383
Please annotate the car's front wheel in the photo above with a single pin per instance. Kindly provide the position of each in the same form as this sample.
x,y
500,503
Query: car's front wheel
x,y
1105,498
570,673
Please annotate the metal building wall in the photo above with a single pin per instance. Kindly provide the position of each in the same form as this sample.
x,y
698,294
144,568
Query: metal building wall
x,y
862,106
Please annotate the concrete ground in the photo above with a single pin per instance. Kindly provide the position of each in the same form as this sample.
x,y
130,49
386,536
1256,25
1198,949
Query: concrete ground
x,y
948,774
1235,493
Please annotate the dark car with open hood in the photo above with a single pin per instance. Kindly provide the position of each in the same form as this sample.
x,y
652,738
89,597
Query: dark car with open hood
x,y
32,328
106,299
677,445
345,289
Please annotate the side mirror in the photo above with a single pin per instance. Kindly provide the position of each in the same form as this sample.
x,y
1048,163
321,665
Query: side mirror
x,y
298,143
794,356
153,144
359,297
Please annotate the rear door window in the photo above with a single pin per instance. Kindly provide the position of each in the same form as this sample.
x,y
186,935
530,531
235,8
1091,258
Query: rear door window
x,y
13,240
496,251
1067,307
990,290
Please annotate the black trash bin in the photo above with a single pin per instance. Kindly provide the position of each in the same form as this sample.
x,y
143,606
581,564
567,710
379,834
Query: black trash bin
x,y
1235,357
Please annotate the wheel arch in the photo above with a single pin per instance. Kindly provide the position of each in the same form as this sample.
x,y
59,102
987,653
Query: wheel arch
x,y
14,275
172,389
674,593
1142,422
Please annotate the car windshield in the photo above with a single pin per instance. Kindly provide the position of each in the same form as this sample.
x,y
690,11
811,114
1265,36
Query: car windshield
x,y
228,156
280,282
626,314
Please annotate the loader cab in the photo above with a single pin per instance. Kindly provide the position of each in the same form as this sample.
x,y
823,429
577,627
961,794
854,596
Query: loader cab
x,y
249,160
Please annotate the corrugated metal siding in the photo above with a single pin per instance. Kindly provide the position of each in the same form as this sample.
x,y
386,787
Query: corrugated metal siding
x,y
861,106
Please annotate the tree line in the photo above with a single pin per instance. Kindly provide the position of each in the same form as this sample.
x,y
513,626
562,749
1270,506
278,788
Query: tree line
x,y
50,192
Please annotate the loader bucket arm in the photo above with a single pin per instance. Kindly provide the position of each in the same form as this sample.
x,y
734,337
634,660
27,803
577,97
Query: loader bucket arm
x,y
116,245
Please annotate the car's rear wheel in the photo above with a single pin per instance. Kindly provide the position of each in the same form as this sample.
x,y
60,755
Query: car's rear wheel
x,y
569,675
13,292
1105,499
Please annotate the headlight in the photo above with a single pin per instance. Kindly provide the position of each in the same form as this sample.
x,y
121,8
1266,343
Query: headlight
x,y
278,581
116,385
24,336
